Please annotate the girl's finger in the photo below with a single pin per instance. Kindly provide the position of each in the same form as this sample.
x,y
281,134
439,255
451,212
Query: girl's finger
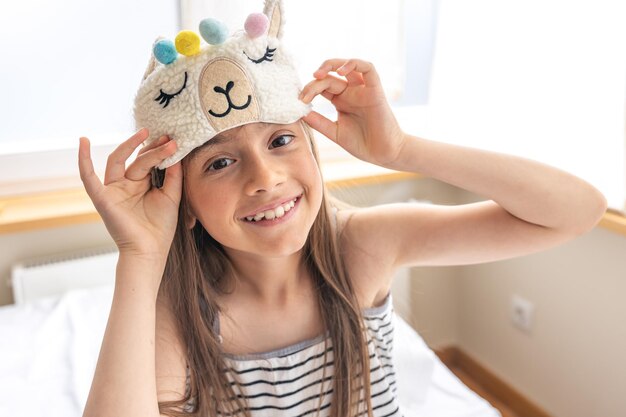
x,y
85,166
323,125
153,145
346,66
116,163
330,84
325,68
140,168
328,96
173,183
354,79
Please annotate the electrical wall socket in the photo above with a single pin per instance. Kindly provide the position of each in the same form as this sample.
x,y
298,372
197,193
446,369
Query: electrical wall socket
x,y
522,312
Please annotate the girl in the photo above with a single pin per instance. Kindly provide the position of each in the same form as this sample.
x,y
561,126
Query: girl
x,y
242,289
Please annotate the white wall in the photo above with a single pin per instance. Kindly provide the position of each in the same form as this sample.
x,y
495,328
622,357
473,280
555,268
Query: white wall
x,y
572,362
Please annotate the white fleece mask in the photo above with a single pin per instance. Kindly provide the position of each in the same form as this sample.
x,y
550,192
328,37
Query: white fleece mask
x,y
191,92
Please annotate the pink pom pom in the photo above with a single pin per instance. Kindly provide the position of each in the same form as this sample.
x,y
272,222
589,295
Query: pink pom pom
x,y
256,25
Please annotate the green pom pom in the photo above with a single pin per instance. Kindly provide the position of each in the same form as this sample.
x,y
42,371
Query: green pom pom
x,y
213,31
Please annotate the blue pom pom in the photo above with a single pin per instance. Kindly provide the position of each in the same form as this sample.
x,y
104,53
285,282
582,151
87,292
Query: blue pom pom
x,y
165,51
213,31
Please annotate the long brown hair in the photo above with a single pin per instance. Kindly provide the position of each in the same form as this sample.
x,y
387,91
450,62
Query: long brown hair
x,y
193,276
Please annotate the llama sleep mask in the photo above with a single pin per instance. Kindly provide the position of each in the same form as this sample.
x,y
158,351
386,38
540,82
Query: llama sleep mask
x,y
192,92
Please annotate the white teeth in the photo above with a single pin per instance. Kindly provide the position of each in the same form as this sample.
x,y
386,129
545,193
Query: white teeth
x,y
272,214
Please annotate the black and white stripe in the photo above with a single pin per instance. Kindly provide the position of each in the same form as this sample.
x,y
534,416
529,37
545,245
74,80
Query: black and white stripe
x,y
291,381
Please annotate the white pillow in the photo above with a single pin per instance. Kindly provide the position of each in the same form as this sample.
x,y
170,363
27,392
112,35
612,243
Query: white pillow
x,y
414,363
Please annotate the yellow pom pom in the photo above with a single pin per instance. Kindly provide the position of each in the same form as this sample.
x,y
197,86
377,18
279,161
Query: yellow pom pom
x,y
187,43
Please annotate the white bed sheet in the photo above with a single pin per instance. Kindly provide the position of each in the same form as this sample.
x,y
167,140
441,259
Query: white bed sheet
x,y
49,349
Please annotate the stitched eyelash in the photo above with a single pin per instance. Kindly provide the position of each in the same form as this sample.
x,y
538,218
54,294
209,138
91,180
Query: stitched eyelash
x,y
269,56
166,98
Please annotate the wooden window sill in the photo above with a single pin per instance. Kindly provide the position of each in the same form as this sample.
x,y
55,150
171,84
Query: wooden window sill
x,y
614,221
72,206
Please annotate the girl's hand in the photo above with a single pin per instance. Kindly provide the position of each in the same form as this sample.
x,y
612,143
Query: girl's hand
x,y
141,219
365,126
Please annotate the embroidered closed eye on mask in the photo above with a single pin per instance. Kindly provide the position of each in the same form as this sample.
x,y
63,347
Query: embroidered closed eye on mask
x,y
192,92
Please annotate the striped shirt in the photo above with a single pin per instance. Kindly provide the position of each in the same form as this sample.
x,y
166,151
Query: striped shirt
x,y
291,380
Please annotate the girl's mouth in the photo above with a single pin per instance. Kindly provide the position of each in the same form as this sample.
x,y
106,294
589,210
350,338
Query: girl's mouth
x,y
274,215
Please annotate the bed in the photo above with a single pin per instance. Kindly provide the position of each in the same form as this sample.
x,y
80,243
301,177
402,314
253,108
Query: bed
x,y
49,348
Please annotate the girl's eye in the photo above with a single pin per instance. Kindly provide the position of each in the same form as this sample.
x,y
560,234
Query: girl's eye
x,y
282,140
220,164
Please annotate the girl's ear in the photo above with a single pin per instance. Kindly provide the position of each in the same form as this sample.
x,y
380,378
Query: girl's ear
x,y
273,11
190,219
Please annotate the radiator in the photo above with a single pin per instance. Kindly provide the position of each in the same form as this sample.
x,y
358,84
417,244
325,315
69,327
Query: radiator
x,y
55,275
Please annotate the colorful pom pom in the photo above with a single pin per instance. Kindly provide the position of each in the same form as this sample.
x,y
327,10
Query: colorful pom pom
x,y
256,25
213,31
165,51
187,43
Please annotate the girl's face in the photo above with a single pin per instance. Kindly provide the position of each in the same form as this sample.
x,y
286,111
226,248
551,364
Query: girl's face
x,y
256,189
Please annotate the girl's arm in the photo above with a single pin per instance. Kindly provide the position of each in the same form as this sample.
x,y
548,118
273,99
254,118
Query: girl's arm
x,y
137,366
141,220
124,382
532,206
529,190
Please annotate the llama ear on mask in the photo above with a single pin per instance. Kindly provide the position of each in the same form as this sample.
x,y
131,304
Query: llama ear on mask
x,y
273,11
150,68
152,63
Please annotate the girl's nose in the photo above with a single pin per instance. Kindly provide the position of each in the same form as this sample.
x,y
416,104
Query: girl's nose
x,y
262,175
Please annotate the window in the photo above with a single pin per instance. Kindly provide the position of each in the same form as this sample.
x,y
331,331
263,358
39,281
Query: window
x,y
70,68
77,66
544,79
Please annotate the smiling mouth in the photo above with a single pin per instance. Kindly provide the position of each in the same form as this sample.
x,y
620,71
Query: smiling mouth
x,y
275,213
231,105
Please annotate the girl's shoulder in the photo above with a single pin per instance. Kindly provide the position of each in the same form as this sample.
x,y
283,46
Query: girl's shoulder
x,y
367,265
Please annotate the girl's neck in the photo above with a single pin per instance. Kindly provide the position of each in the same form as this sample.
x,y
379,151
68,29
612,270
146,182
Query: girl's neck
x,y
272,281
